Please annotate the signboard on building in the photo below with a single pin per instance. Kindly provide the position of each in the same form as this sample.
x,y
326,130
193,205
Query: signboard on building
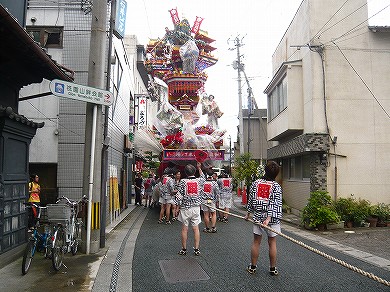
x,y
141,110
189,154
120,19
81,92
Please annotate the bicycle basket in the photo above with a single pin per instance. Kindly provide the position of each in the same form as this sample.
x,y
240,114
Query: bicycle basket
x,y
58,213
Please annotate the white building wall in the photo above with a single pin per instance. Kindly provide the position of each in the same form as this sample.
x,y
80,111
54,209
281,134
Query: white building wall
x,y
354,113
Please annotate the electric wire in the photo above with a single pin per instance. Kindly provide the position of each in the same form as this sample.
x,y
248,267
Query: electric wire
x,y
343,19
352,30
328,21
51,120
362,80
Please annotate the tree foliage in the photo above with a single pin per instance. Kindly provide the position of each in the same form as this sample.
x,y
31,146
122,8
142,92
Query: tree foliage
x,y
245,168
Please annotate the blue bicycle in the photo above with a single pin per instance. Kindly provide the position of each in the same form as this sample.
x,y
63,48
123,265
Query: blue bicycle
x,y
37,241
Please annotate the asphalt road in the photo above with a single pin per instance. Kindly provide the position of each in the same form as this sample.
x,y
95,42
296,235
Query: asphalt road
x,y
141,255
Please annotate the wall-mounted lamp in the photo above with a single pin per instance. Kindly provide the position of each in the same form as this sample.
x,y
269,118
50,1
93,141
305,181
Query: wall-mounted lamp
x,y
334,140
33,20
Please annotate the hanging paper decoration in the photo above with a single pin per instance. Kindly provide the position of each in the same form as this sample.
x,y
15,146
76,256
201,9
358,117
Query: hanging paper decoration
x,y
174,16
196,26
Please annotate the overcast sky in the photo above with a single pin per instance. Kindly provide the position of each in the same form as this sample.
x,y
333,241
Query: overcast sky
x,y
261,24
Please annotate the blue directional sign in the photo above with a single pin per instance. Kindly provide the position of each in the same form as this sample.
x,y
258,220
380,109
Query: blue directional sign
x,y
81,92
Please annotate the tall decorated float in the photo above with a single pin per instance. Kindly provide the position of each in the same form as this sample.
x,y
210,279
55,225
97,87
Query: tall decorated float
x,y
180,58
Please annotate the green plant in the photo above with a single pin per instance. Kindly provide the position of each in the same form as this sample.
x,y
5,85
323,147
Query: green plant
x,y
319,210
362,211
245,169
381,211
345,208
353,210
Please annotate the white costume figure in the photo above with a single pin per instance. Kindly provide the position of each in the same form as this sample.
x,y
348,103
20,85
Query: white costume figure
x,y
210,107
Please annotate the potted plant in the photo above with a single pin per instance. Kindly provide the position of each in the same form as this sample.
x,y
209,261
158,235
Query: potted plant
x,y
381,211
345,208
361,212
319,211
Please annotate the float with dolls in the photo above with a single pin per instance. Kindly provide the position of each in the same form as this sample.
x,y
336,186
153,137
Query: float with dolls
x,y
180,59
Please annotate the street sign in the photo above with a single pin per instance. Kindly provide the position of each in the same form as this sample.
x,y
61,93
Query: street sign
x,y
81,92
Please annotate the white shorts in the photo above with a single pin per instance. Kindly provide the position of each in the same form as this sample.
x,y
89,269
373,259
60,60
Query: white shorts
x,y
207,209
191,215
225,202
257,229
165,201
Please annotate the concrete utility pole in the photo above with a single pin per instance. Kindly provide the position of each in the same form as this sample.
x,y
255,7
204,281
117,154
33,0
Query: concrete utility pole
x,y
93,130
103,196
237,65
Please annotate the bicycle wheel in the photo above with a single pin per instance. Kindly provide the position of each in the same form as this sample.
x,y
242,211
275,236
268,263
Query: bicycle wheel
x,y
28,255
48,247
76,238
57,251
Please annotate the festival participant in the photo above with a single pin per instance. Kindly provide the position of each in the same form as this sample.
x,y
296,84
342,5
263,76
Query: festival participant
x,y
175,208
149,186
189,199
265,202
226,197
210,195
166,186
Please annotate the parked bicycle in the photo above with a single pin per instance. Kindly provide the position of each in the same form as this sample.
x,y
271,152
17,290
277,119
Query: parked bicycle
x,y
66,228
37,241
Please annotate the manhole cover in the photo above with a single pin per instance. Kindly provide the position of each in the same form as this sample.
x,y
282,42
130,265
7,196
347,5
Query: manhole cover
x,y
182,270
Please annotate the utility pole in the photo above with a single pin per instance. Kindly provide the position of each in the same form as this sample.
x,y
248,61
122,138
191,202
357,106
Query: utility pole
x,y
103,194
230,155
93,133
237,65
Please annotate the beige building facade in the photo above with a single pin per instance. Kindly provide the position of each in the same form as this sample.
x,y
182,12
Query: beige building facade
x,y
329,104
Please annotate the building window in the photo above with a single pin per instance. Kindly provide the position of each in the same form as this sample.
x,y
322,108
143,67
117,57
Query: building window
x,y
277,99
297,168
46,36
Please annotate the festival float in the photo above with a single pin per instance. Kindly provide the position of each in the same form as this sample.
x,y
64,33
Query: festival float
x,y
180,59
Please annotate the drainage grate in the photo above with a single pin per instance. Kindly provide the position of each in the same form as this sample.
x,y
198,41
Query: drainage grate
x,y
182,270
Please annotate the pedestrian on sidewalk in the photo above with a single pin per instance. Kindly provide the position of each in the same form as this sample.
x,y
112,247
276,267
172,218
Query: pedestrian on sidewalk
x,y
265,202
210,195
149,186
139,185
189,199
225,184
34,191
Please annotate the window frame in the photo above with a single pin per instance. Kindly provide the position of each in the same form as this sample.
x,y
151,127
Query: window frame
x,y
46,31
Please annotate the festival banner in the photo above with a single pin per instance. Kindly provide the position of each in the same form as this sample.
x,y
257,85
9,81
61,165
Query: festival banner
x,y
196,26
189,154
174,16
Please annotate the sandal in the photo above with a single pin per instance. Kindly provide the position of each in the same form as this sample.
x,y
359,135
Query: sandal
x,y
273,271
206,229
159,221
182,252
196,251
251,269
213,230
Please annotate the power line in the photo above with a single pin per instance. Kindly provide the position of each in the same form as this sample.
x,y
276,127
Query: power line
x,y
51,120
343,18
328,21
361,79
363,22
